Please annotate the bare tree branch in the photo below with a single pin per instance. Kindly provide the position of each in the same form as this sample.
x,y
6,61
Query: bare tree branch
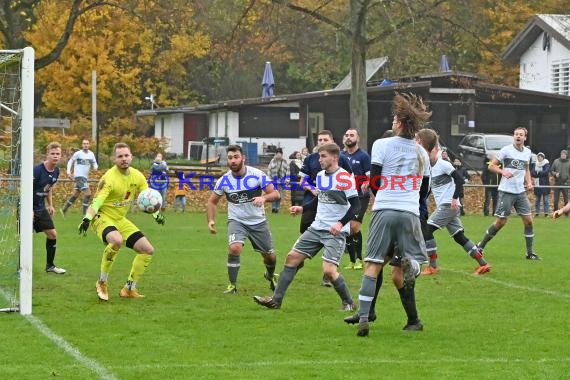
x,y
427,12
314,14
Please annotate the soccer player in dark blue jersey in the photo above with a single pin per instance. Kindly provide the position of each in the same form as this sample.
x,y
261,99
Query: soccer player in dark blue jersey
x,y
45,177
360,163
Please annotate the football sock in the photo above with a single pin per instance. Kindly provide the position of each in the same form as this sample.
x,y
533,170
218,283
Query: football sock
x,y
365,297
376,291
285,279
431,248
69,202
528,237
131,285
357,241
408,298
476,254
86,203
50,252
269,262
489,234
233,268
140,263
342,290
350,248
107,260
469,247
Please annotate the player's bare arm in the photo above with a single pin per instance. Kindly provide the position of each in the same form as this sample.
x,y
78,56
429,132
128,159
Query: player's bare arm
x,y
528,180
495,168
50,208
270,195
295,210
211,212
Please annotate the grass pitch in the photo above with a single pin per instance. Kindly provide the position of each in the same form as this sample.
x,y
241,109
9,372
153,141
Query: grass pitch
x,y
509,324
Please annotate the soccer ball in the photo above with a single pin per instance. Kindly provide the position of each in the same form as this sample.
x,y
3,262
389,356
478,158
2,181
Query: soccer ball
x,y
149,200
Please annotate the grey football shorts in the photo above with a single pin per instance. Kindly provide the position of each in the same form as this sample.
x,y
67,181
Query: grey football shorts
x,y
311,242
506,201
391,228
445,216
258,234
81,183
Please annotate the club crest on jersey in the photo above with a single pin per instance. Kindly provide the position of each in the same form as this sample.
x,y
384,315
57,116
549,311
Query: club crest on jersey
x,y
238,197
518,164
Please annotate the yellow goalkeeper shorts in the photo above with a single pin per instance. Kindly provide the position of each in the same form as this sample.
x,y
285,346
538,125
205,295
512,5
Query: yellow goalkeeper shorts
x,y
125,227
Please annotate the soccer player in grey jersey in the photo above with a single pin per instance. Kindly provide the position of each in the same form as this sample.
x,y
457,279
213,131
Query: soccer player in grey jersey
x,y
446,187
247,189
399,177
515,182
337,204
82,162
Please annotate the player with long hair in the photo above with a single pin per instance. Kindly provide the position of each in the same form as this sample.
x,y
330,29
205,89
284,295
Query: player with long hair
x,y
404,165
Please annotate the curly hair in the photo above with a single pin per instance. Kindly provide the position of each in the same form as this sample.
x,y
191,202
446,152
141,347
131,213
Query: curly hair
x,y
410,110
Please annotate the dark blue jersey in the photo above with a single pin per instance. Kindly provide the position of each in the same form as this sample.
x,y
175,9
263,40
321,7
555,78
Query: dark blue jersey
x,y
360,164
311,167
43,182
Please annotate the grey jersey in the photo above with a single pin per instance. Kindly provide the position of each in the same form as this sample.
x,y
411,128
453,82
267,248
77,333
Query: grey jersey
x,y
442,183
240,191
334,191
82,162
517,162
404,164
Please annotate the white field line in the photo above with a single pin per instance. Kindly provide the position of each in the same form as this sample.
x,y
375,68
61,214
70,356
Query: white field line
x,y
514,286
356,362
91,364
106,374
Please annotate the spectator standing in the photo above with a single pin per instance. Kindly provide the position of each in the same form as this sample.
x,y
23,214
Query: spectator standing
x,y
294,168
445,155
491,180
180,193
560,170
466,178
278,168
159,173
540,171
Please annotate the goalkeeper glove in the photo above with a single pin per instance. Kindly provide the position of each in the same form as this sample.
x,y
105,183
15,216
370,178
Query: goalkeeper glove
x,y
84,226
159,217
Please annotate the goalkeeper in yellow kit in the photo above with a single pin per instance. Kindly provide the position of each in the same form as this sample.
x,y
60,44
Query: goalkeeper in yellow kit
x,y
106,215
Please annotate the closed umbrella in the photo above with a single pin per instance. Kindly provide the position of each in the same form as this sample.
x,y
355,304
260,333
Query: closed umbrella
x,y
443,64
267,83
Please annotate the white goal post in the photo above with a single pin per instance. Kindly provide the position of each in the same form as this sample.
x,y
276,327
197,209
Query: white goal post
x,y
16,178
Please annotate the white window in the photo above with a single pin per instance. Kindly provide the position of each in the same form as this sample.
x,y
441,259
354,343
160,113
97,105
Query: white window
x,y
560,77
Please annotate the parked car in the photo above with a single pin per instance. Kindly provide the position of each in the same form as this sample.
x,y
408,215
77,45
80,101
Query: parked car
x,y
476,149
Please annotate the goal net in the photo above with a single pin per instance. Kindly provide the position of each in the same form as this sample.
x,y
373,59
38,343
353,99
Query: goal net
x,y
16,179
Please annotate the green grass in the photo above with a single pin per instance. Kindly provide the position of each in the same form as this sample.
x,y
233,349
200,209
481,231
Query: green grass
x,y
509,324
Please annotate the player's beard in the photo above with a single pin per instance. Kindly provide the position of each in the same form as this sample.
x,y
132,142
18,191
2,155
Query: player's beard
x,y
236,169
350,144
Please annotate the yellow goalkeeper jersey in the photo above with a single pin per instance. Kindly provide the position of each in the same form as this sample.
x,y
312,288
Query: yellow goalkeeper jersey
x,y
116,191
